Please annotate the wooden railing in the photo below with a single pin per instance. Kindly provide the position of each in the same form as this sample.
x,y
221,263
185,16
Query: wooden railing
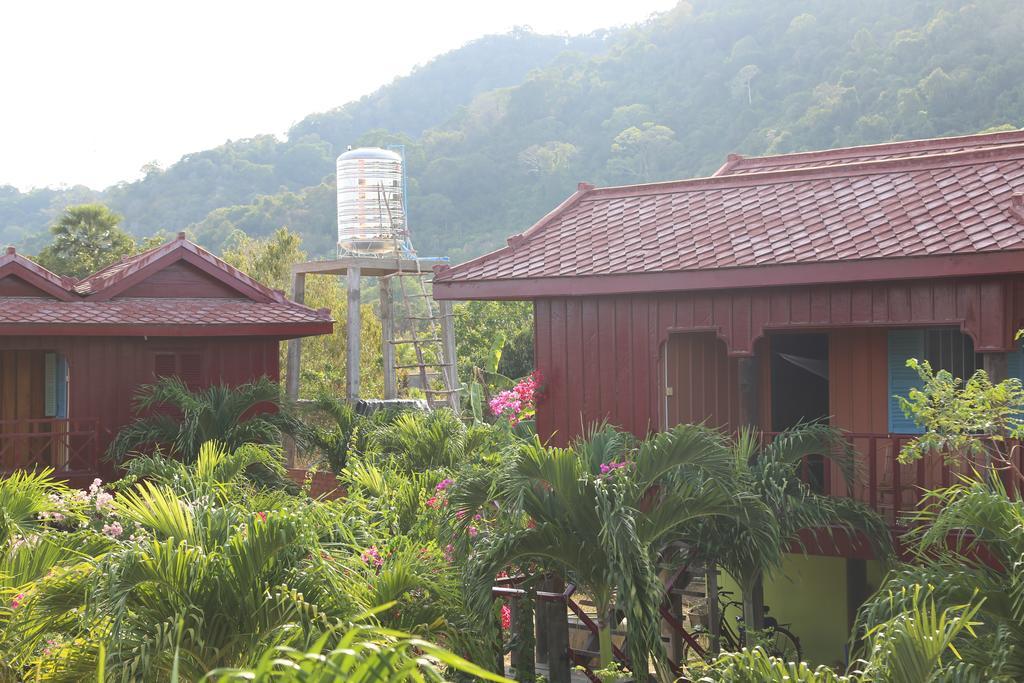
x,y
68,446
894,489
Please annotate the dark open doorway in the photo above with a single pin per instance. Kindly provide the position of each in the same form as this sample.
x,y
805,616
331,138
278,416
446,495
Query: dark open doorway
x,y
799,389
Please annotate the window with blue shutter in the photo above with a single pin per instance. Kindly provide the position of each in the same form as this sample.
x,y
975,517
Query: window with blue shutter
x,y
903,344
1015,362
55,385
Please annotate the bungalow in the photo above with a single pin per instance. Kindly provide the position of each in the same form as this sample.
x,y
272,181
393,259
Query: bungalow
x,y
73,354
779,289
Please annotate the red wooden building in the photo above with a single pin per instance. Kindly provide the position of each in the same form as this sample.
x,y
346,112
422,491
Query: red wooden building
x,y
779,289
73,354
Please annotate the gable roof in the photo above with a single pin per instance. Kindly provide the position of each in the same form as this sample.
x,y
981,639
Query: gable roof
x,y
93,306
13,263
117,277
885,212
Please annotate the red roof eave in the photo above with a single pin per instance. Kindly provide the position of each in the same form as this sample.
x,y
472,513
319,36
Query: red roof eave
x,y
835,272
276,330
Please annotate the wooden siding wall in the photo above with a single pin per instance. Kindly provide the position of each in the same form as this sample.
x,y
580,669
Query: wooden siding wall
x,y
12,285
22,390
181,279
601,356
106,372
985,308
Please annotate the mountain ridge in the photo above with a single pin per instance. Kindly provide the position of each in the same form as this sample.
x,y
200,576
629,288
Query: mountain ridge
x,y
668,98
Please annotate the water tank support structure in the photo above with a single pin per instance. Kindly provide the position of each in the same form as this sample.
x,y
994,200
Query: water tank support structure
x,y
353,269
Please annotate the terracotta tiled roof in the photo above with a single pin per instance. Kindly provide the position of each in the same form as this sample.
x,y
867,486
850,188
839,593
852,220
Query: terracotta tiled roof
x,y
941,203
92,304
152,311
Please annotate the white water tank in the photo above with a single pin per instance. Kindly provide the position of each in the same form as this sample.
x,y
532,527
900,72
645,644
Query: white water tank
x,y
371,215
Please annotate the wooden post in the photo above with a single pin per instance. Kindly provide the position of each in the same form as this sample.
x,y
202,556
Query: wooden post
x,y
450,368
354,328
996,366
559,666
294,364
540,619
750,416
675,640
387,324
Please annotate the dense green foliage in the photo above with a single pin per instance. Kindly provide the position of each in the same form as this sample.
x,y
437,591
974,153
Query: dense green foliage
x,y
85,239
499,131
195,567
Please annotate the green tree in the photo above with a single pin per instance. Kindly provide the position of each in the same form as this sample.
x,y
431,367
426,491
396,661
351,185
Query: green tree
x,y
87,238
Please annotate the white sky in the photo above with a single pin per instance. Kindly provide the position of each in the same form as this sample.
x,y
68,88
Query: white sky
x,y
93,89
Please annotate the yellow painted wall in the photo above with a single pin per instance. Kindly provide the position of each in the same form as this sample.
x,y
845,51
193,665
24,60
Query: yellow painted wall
x,y
809,593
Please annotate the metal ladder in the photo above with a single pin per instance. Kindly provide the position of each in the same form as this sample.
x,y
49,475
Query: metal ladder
x,y
420,328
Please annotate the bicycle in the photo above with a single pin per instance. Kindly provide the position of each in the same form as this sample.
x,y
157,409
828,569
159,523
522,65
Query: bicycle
x,y
776,639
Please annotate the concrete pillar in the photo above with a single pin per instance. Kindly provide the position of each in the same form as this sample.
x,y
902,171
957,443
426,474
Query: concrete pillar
x,y
295,345
293,364
387,324
353,329
450,368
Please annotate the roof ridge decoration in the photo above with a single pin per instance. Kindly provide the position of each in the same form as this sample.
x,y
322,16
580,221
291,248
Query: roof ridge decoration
x,y
904,148
865,167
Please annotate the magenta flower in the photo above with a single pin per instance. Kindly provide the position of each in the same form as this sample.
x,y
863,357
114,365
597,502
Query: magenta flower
x,y
372,556
445,483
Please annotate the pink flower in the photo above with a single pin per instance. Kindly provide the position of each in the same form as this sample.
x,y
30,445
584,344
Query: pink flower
x,y
449,553
113,530
262,515
103,501
433,502
519,401
372,556
607,468
17,601
445,483
460,514
472,531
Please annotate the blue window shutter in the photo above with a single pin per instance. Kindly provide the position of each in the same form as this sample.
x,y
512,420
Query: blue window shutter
x,y
903,344
50,385
62,386
1015,362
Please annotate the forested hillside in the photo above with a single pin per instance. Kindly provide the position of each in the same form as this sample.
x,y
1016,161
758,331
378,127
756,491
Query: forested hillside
x,y
498,132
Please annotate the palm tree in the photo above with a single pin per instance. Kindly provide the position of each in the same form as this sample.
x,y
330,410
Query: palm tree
x,y
249,413
599,513
773,505
968,544
418,441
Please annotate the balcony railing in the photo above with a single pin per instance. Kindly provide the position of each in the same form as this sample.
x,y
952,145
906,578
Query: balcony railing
x,y
893,489
68,446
